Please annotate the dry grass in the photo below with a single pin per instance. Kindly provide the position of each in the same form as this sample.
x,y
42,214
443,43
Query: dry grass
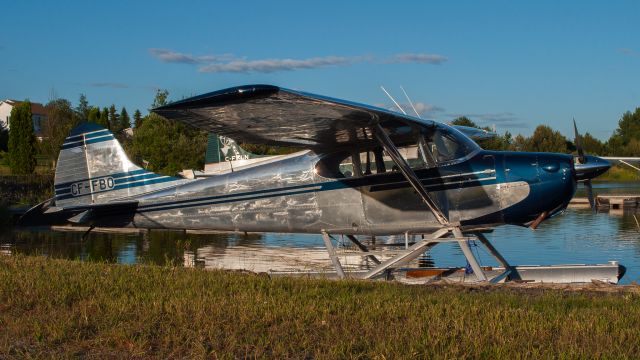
x,y
62,308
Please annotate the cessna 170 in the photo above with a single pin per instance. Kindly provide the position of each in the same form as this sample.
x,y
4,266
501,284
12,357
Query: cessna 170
x,y
439,183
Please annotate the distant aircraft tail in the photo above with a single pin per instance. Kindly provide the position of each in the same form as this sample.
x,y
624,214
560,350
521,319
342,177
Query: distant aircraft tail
x,y
222,148
93,168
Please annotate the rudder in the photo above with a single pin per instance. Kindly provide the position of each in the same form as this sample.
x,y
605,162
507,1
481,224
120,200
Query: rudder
x,y
93,168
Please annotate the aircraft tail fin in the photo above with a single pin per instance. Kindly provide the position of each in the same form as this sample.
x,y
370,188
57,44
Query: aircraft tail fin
x,y
93,168
222,148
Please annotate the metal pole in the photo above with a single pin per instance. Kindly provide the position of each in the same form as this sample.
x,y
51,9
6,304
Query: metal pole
x,y
413,252
469,255
363,248
409,174
483,239
332,254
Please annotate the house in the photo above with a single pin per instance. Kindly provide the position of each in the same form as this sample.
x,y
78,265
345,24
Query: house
x,y
38,114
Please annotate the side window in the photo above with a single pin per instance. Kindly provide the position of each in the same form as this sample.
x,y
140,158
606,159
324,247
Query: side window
x,y
335,166
445,146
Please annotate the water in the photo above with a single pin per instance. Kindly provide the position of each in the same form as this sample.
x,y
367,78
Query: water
x,y
575,237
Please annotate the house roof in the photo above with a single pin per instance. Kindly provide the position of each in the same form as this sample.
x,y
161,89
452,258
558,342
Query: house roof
x,y
36,108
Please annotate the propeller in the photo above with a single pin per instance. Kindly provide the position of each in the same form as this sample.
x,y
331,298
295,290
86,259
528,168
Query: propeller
x,y
583,160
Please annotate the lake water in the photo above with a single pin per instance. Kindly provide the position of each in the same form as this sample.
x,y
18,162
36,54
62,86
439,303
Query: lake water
x,y
575,237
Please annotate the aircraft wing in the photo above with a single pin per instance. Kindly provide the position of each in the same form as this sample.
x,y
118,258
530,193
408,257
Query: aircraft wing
x,y
625,160
621,158
265,114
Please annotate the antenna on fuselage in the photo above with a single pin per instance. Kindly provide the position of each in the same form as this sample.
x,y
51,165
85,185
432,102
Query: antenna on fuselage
x,y
410,102
392,99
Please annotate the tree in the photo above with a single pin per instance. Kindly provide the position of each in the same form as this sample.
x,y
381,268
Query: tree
x,y
160,99
82,110
61,118
22,149
498,142
94,115
628,130
104,118
519,143
137,118
545,139
114,125
125,120
168,146
464,121
591,145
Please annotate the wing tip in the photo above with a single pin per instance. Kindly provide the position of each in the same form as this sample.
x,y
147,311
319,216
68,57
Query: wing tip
x,y
220,96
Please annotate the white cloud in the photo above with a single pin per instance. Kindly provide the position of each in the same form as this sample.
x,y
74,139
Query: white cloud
x,y
422,108
629,52
109,85
232,64
170,56
421,58
502,119
271,65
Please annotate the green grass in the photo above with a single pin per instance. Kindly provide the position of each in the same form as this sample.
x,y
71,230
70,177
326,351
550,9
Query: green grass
x,y
62,308
619,173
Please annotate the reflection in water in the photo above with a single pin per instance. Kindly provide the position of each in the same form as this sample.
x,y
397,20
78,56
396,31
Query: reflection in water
x,y
577,236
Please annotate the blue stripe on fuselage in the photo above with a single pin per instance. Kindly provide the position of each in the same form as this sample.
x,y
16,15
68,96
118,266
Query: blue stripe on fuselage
x,y
115,176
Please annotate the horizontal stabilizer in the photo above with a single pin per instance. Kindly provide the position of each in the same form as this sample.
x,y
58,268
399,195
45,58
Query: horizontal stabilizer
x,y
47,214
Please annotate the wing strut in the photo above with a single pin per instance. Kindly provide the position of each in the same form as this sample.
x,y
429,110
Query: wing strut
x,y
408,173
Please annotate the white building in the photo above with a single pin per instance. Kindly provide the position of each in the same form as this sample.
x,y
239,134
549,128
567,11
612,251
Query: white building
x,y
38,114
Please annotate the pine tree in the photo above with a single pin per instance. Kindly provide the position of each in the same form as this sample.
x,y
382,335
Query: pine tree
x,y
22,149
125,120
137,118
83,108
113,119
94,115
104,118
160,99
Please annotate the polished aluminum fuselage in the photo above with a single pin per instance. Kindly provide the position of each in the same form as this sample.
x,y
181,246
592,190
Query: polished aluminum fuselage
x,y
288,195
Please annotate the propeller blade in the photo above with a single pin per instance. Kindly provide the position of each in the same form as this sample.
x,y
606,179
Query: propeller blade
x,y
578,142
592,200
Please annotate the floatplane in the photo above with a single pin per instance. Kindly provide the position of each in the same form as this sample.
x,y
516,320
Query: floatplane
x,y
362,172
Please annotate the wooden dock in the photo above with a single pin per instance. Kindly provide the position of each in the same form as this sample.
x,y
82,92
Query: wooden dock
x,y
614,202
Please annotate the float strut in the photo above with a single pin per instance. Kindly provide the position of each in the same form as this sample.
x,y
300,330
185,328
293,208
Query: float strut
x,y
508,269
332,254
363,247
466,250
411,253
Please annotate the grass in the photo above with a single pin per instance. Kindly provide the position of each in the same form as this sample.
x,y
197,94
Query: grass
x,y
619,173
25,189
63,308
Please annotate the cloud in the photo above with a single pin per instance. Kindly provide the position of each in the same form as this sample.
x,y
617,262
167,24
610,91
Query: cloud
x,y
170,56
109,85
231,64
629,52
433,59
423,109
271,65
501,119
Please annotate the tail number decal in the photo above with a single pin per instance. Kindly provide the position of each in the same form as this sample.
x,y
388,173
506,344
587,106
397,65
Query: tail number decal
x,y
93,185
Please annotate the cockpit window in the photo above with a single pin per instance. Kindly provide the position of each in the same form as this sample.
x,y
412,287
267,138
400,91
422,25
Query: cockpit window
x,y
447,145
432,146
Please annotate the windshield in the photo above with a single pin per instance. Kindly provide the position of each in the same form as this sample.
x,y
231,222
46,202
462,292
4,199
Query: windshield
x,y
448,144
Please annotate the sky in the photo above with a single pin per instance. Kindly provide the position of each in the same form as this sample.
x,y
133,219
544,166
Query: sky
x,y
511,64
